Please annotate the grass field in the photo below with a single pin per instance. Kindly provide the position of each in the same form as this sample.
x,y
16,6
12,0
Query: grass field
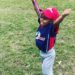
x,y
18,24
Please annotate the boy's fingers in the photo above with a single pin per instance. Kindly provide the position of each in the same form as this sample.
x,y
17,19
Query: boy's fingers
x,y
66,12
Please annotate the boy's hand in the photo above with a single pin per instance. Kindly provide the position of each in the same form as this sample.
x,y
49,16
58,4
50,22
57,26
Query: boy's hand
x,y
66,12
62,16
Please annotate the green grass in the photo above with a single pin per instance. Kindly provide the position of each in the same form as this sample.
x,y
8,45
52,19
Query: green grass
x,y
18,24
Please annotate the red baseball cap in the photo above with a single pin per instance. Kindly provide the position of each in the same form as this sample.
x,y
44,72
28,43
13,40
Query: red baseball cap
x,y
51,13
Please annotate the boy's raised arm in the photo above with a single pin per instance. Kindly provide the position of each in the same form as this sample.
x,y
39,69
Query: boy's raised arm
x,y
65,13
36,7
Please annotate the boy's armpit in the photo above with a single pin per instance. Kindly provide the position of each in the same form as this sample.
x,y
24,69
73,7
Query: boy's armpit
x,y
56,29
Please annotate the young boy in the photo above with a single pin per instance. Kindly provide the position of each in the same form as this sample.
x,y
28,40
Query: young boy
x,y
49,20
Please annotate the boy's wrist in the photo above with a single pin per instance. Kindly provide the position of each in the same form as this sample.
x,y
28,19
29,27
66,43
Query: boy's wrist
x,y
63,16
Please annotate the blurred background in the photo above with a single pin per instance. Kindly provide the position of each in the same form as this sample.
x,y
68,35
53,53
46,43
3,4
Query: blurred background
x,y
18,25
